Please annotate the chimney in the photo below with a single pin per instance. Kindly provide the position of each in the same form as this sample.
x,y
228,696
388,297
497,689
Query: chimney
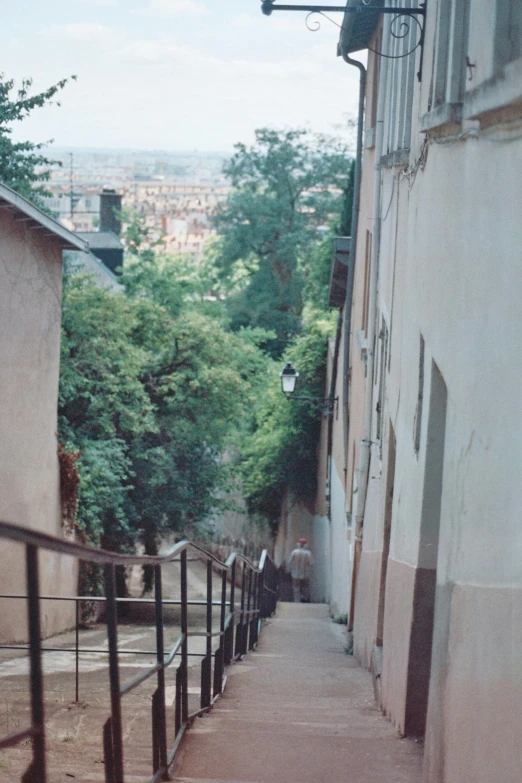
x,y
110,207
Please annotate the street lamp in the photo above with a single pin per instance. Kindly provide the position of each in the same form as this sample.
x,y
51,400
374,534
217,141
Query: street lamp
x,y
289,376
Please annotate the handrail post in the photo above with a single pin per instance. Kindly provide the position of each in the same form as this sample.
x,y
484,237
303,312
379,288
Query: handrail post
x,y
77,657
229,648
38,771
246,636
206,663
239,630
184,645
219,663
161,726
260,593
114,674
254,619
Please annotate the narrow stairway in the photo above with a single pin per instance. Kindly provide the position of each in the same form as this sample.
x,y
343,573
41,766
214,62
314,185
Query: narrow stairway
x,y
297,710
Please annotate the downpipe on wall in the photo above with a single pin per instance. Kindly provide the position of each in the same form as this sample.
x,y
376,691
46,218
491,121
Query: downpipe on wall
x,y
356,208
365,446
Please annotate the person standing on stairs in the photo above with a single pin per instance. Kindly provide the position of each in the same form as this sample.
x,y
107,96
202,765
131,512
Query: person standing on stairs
x,y
300,565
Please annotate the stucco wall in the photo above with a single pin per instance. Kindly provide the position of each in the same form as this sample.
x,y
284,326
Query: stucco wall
x,y
451,271
476,338
30,316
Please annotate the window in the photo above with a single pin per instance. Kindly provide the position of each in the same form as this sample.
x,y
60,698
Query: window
x,y
508,32
495,51
449,63
400,86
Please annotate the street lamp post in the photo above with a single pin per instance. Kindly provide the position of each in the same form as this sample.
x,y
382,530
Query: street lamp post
x,y
289,376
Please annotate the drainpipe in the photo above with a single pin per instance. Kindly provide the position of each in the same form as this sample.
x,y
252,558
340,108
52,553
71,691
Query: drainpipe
x,y
356,207
331,392
365,446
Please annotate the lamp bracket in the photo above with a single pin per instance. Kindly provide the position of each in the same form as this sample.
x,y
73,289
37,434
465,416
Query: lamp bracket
x,y
328,404
400,25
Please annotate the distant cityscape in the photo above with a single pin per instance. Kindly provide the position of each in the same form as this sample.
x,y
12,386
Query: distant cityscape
x,y
176,192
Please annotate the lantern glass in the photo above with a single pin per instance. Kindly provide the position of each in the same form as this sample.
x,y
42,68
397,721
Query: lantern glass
x,y
288,377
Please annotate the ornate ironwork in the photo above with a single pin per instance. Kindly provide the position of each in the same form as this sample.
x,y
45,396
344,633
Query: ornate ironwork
x,y
400,24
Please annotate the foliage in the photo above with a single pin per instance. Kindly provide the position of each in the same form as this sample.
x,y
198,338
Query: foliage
x,y
289,188
69,485
280,455
101,400
158,381
286,188
22,165
150,399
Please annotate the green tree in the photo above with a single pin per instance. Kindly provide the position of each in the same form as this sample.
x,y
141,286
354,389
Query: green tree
x,y
281,453
102,403
23,167
151,398
286,189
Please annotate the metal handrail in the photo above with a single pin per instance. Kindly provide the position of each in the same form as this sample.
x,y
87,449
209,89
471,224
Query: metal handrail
x,y
258,586
92,555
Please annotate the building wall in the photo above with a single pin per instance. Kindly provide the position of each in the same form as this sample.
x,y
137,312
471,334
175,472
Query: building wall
x,y
320,583
296,521
30,317
450,272
476,340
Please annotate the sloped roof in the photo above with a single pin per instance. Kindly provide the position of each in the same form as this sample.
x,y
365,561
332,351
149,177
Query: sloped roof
x,y
91,265
101,240
26,212
358,29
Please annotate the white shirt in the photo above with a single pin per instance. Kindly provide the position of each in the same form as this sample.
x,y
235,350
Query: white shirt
x,y
300,563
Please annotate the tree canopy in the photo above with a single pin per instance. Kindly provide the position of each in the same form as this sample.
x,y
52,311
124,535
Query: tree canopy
x,y
280,455
287,188
23,166
151,388
161,379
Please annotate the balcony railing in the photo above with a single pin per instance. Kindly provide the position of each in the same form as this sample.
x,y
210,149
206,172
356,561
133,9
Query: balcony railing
x,y
239,625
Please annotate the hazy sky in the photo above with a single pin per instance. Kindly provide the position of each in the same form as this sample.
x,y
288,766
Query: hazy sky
x,y
174,74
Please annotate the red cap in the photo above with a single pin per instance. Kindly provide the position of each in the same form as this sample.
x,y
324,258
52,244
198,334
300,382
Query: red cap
x,y
302,541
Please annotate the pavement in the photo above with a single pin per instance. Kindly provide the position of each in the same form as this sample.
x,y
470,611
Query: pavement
x,y
297,710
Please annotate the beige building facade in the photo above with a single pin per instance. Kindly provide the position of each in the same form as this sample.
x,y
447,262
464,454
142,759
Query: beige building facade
x,y
31,246
432,451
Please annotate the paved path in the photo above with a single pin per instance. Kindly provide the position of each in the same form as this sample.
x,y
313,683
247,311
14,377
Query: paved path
x,y
298,710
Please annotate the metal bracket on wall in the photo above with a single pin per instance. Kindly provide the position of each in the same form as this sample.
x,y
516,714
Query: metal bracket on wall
x,y
328,405
400,24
